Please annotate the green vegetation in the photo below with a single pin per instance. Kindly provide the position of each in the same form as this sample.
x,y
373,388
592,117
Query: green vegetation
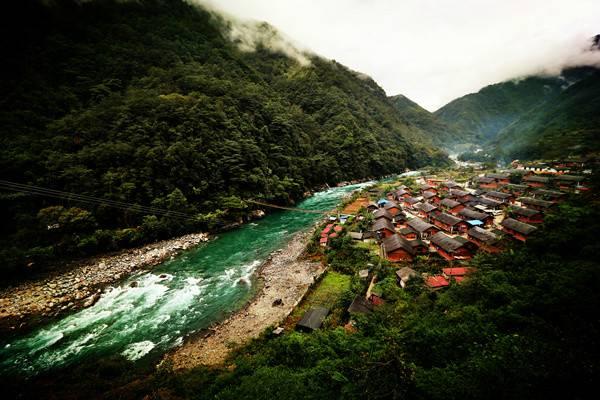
x,y
522,326
440,132
331,292
566,126
150,103
532,118
483,114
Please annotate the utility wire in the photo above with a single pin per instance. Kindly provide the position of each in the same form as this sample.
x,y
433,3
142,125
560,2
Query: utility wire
x,y
40,191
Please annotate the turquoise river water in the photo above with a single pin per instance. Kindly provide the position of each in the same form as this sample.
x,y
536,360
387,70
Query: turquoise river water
x,y
201,287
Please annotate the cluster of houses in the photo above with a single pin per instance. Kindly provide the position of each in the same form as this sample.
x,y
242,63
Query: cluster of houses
x,y
447,220
450,221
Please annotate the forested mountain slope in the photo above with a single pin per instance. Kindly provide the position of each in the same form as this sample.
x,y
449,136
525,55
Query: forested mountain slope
x,y
151,102
569,124
440,132
480,116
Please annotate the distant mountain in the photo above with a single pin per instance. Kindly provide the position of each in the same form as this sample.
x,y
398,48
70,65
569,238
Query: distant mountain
x,y
480,116
438,131
533,116
567,124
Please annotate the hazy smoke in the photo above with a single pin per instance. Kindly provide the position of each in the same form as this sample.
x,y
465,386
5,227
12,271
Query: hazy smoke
x,y
249,35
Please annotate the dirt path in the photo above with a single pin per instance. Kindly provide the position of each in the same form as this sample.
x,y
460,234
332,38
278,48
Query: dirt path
x,y
34,302
285,276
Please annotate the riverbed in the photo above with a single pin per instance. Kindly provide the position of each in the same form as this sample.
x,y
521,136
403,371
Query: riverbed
x,y
189,293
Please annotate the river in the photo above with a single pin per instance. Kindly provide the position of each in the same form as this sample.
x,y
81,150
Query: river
x,y
181,296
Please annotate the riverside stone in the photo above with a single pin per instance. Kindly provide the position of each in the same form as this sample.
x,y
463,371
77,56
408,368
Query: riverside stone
x,y
38,298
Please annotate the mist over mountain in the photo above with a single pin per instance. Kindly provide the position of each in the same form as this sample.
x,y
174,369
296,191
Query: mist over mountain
x,y
167,104
526,117
566,125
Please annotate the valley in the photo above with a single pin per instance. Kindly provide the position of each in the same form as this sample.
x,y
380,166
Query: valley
x,y
196,206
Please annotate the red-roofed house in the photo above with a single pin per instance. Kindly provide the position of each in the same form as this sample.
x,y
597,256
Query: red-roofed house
x,y
437,282
456,271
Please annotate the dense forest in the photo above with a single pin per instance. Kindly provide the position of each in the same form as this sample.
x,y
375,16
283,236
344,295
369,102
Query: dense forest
x,y
524,325
155,103
480,116
530,118
569,125
440,132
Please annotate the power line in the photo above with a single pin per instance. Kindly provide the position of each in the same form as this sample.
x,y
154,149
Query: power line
x,y
84,197
287,208
40,191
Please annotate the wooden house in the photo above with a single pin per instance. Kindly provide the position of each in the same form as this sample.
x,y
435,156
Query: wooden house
x,y
549,195
451,206
457,273
488,203
536,181
399,218
436,282
423,229
452,248
372,206
486,240
409,202
425,210
427,188
526,215
460,195
382,213
433,181
449,223
519,230
486,183
402,193
419,246
500,196
501,179
383,228
408,233
397,249
568,182
360,305
431,197
447,185
392,207
469,214
514,189
536,204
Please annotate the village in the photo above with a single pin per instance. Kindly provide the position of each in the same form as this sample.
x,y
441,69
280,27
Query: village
x,y
442,221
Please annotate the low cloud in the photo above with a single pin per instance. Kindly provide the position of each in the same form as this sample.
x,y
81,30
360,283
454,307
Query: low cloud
x,y
435,51
250,35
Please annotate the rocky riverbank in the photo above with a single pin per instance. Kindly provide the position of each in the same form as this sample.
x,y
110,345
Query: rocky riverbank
x,y
284,278
31,303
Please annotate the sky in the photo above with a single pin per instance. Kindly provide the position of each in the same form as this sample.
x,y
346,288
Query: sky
x,y
435,51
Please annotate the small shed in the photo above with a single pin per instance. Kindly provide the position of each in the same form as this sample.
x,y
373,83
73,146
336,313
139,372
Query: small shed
x,y
360,305
403,275
312,319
